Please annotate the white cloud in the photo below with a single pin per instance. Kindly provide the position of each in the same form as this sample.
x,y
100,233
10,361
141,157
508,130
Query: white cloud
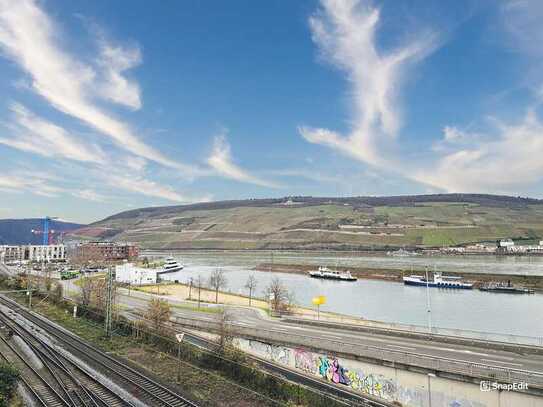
x,y
509,157
522,21
500,162
221,161
34,183
115,60
462,161
147,187
36,135
31,38
89,195
345,31
452,134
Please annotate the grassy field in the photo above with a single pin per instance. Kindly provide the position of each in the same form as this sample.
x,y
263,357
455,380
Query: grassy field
x,y
330,225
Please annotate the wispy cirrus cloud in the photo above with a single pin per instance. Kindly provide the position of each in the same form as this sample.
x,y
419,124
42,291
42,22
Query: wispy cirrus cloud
x,y
345,32
35,183
31,38
89,195
75,85
114,61
140,185
461,161
222,162
501,161
508,155
34,134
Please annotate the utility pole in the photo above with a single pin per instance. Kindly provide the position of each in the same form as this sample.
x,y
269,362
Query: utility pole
x,y
199,288
29,288
109,301
429,309
179,338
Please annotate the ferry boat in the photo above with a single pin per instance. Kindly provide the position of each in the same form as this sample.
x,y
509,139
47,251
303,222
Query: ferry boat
x,y
507,288
439,280
170,266
402,253
326,273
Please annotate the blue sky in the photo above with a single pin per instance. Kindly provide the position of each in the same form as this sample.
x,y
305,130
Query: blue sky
x,y
109,106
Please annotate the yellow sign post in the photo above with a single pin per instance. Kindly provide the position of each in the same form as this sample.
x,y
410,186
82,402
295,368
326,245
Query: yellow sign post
x,y
318,301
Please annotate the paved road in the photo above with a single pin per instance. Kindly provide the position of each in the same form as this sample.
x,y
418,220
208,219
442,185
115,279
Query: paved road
x,y
252,318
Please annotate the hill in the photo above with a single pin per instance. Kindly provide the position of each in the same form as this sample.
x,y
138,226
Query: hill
x,y
339,223
19,231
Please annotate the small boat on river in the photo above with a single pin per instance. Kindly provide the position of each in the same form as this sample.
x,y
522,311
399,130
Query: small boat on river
x,y
326,273
439,281
506,288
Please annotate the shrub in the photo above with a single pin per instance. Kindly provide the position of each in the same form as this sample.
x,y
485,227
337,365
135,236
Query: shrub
x,y
8,382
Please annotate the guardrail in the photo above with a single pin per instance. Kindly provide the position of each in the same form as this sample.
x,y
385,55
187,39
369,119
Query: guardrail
x,y
462,333
423,330
457,366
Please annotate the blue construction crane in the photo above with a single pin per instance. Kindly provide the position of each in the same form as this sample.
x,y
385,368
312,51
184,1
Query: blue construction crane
x,y
46,222
45,232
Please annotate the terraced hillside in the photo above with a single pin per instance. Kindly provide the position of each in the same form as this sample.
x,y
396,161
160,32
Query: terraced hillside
x,y
340,223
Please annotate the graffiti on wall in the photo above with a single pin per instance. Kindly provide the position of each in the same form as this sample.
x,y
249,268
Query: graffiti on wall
x,y
331,369
275,353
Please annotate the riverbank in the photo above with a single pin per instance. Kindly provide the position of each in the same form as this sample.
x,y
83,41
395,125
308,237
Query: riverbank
x,y
183,292
534,282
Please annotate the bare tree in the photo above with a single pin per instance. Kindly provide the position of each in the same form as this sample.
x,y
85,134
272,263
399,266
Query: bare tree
x,y
158,314
86,288
279,295
58,293
99,293
93,292
251,284
199,285
47,283
225,336
217,280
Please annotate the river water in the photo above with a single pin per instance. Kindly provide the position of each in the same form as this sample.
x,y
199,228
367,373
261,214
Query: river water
x,y
383,300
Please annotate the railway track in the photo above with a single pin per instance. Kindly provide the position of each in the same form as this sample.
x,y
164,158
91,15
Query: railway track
x,y
68,382
73,386
42,391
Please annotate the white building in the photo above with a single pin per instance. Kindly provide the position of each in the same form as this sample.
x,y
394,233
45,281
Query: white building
x,y
53,252
130,274
506,243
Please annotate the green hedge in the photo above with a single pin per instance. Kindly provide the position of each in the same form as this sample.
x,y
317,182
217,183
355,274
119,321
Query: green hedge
x,y
8,382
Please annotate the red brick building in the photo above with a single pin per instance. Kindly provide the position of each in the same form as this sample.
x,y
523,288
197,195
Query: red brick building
x,y
107,251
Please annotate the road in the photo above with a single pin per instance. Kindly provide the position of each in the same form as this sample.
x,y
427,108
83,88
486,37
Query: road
x,y
252,318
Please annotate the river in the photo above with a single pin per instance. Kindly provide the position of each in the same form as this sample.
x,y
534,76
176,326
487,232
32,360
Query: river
x,y
388,301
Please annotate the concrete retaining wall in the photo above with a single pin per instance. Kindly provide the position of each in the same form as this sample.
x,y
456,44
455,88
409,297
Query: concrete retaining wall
x,y
410,389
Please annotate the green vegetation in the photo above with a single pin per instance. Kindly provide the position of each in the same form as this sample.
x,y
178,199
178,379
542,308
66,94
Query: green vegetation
x,y
8,383
209,378
335,223
209,310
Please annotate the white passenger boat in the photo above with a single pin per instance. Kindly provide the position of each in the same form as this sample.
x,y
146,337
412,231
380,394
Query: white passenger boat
x,y
326,273
171,265
439,280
